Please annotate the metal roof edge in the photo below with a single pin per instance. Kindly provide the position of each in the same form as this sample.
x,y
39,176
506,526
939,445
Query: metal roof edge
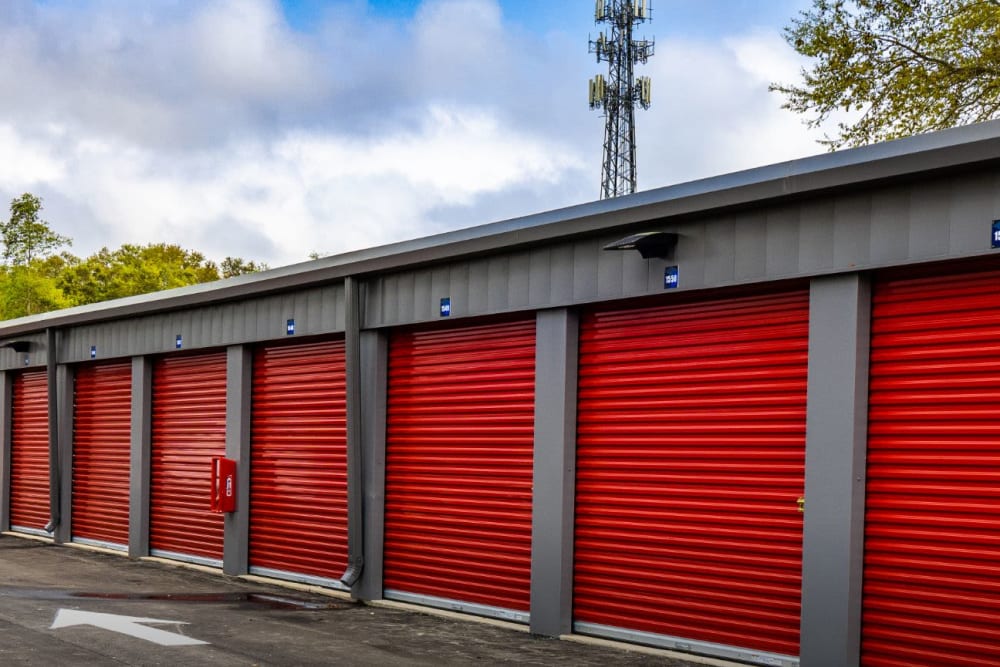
x,y
910,156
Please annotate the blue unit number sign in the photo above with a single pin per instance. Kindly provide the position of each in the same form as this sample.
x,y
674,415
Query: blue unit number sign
x,y
996,234
670,277
446,307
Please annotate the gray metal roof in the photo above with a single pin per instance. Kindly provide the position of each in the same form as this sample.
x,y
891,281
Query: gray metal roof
x,y
859,167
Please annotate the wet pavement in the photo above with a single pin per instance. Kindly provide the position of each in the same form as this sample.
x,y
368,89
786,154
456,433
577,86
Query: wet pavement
x,y
61,605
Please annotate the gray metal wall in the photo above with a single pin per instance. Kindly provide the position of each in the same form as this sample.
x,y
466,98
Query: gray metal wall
x,y
319,310
945,218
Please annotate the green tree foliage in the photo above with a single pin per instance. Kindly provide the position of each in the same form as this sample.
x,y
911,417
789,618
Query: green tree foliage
x,y
134,269
34,278
25,236
237,266
28,275
907,66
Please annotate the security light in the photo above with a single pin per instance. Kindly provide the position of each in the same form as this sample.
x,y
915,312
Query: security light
x,y
649,244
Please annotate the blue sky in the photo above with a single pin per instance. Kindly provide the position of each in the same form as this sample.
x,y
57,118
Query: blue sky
x,y
272,129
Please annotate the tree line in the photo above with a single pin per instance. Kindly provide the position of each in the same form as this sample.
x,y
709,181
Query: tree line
x,y
39,274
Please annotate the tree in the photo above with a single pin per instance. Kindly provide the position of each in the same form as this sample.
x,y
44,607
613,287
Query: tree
x,y
134,269
237,266
907,66
26,237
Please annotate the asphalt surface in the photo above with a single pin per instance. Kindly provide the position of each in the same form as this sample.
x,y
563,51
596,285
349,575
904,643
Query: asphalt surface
x,y
61,605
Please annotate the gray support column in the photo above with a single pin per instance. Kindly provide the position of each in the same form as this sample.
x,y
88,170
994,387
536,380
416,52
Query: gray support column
x,y
64,406
6,396
836,443
554,473
139,471
355,460
374,386
55,462
239,385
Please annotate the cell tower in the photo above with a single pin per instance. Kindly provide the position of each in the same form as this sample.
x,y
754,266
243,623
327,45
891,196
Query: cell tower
x,y
621,91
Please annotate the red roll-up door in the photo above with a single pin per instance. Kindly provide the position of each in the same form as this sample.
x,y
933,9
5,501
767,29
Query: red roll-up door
x,y
189,428
298,487
459,466
690,460
29,453
932,527
102,427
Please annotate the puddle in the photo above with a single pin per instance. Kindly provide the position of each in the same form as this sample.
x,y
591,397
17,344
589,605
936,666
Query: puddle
x,y
267,600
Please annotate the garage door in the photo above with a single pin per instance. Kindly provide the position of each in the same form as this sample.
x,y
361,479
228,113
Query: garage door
x,y
29,453
298,488
459,466
189,428
932,536
690,460
102,427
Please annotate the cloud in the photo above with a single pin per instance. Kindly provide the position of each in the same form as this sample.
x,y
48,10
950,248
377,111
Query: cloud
x,y
216,125
719,115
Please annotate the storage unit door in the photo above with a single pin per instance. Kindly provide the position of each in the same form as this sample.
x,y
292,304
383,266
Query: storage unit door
x,y
189,428
458,468
29,453
690,462
932,527
298,472
102,430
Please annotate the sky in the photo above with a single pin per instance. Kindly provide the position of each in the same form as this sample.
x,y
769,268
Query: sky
x,y
274,129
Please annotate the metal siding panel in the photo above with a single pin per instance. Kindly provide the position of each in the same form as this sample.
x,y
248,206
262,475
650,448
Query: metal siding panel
x,y
932,550
690,458
928,228
460,290
478,284
751,240
498,272
690,256
816,235
29,452
783,241
189,428
517,281
539,279
852,230
459,463
102,427
298,472
586,255
973,198
720,253
561,275
423,301
890,238
610,269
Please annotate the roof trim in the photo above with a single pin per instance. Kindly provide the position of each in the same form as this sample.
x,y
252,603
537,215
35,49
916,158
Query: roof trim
x,y
909,157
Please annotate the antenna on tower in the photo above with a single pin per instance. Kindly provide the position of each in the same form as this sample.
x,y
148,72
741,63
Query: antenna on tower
x,y
619,94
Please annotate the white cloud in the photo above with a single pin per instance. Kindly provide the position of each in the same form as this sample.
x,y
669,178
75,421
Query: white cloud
x,y
712,111
215,125
27,162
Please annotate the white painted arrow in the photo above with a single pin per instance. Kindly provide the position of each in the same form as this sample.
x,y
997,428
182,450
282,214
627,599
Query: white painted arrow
x,y
126,625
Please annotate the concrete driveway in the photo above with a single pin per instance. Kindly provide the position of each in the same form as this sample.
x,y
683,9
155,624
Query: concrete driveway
x,y
61,605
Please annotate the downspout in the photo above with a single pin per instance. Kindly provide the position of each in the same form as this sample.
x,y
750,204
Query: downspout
x,y
355,477
55,480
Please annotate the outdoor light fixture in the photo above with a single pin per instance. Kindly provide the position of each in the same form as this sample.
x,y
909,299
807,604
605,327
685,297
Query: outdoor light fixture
x,y
649,244
19,345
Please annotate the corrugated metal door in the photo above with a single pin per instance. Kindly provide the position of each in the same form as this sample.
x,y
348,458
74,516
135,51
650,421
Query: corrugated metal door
x,y
298,487
189,428
690,460
102,427
29,453
459,466
932,535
